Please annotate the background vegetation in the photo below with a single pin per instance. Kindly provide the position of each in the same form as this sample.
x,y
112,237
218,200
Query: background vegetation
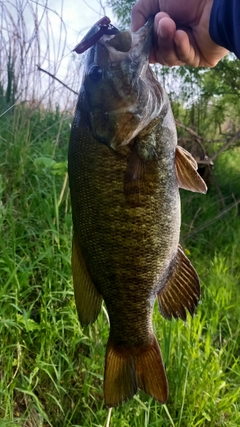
x,y
51,370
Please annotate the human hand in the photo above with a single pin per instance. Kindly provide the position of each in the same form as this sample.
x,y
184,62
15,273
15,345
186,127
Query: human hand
x,y
182,32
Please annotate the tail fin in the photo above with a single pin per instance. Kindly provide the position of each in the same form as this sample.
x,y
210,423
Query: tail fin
x,y
126,369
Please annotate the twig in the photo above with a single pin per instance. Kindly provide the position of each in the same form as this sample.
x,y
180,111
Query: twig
x,y
191,226
109,417
198,138
226,145
211,221
88,5
106,314
67,198
214,181
102,7
207,161
63,189
19,353
110,409
55,78
230,141
188,129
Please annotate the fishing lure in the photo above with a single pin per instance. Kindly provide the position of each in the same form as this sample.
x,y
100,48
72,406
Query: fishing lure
x,y
103,26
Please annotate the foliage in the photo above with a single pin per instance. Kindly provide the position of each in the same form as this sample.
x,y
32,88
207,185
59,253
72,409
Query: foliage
x,y
122,10
224,79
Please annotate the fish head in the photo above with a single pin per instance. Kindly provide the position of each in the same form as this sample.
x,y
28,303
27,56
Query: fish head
x,y
119,86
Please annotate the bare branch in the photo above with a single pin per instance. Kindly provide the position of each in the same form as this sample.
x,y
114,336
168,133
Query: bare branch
x,y
198,138
200,141
188,129
55,78
226,145
211,221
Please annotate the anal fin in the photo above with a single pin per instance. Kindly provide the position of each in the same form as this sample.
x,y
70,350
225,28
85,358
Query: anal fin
x,y
186,170
88,300
182,290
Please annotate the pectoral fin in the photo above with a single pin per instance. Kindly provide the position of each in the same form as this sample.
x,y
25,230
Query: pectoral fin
x,y
141,164
182,290
186,171
88,300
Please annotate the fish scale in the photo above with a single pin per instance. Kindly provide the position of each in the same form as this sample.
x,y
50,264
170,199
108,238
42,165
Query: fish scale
x,y
126,213
112,224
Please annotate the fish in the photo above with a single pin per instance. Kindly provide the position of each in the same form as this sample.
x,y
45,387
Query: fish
x,y
125,170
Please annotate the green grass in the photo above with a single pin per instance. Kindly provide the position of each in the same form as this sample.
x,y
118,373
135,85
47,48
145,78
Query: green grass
x,y
51,370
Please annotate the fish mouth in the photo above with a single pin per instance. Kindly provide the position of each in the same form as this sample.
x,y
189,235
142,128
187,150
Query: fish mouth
x,y
142,40
132,44
126,77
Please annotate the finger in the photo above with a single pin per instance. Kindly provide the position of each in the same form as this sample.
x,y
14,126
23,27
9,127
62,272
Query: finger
x,y
190,52
186,49
165,30
141,11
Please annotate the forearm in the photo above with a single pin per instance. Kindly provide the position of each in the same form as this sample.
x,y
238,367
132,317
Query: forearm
x,y
225,24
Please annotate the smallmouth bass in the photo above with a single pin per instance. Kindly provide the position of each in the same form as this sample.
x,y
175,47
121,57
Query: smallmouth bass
x,y
125,170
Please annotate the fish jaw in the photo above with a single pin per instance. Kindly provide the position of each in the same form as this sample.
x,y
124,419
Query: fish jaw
x,y
121,93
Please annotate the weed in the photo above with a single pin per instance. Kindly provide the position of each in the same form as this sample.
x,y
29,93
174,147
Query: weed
x,y
51,370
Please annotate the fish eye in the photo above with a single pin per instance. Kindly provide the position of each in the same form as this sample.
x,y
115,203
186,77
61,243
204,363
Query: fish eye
x,y
95,73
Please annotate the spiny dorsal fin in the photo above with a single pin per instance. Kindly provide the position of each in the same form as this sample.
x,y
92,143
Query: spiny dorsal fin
x,y
182,290
88,300
186,171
